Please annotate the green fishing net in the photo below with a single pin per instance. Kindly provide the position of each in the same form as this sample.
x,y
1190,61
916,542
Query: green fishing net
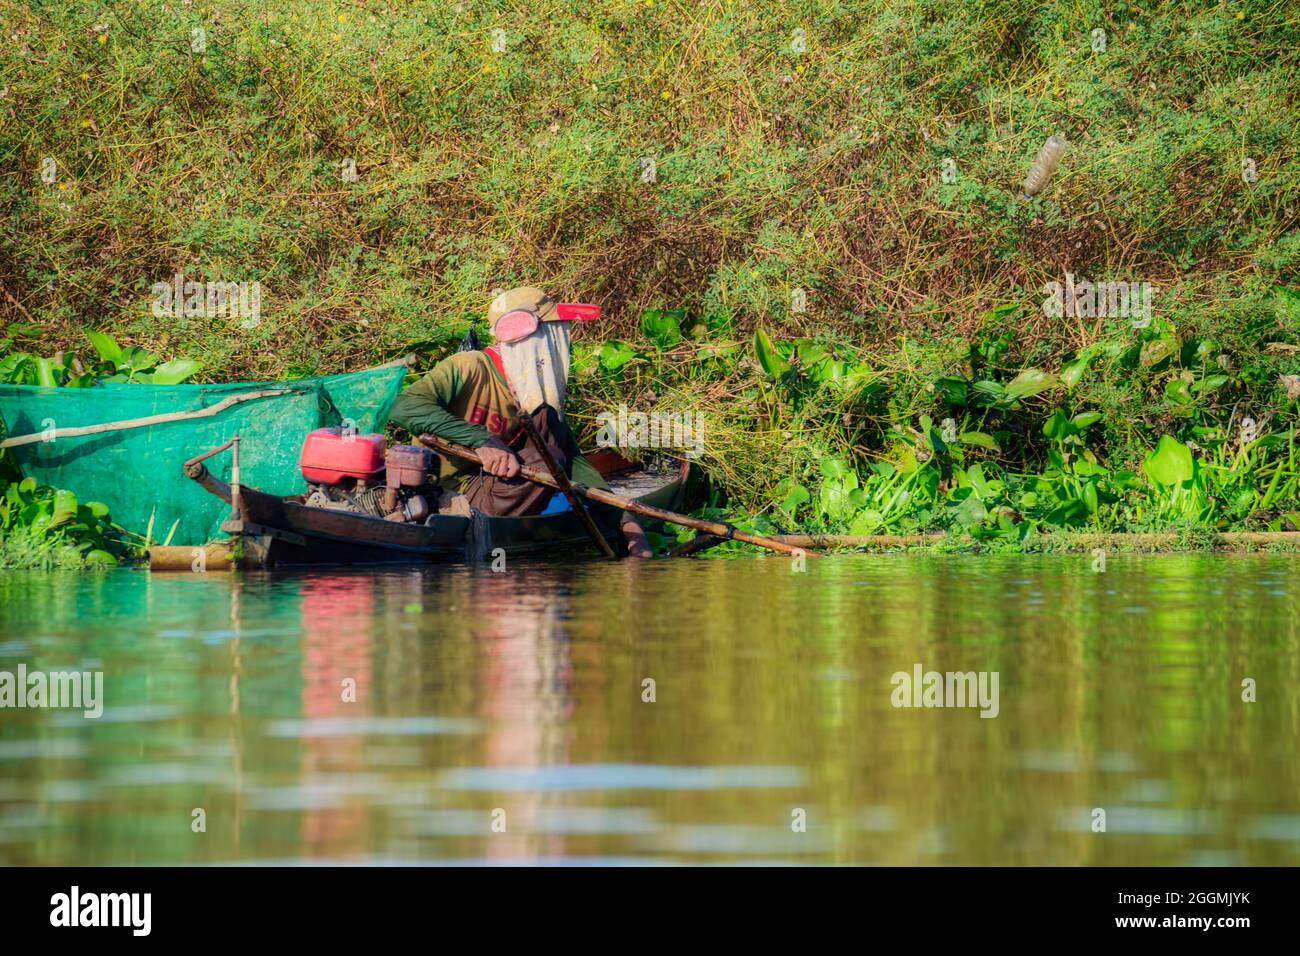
x,y
137,471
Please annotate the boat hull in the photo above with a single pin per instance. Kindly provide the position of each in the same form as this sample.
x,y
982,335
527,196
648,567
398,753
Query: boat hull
x,y
283,532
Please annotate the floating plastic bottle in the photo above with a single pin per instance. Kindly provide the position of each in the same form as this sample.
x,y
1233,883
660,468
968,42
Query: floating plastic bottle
x,y
1040,174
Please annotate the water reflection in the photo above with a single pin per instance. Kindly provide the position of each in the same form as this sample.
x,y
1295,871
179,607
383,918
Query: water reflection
x,y
337,684
525,693
453,715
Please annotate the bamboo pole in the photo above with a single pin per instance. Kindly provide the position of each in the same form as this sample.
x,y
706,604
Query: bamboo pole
x,y
702,542
1078,541
216,556
79,430
860,540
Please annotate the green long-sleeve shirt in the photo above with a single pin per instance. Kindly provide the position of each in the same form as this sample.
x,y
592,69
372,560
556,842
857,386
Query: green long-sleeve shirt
x,y
465,399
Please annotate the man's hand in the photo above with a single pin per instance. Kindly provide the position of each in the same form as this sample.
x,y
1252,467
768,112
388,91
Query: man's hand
x,y
499,460
637,545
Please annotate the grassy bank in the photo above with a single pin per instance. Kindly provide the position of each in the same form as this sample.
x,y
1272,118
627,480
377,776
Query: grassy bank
x,y
803,221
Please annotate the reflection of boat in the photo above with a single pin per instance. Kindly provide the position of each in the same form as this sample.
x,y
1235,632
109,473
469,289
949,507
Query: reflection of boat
x,y
277,531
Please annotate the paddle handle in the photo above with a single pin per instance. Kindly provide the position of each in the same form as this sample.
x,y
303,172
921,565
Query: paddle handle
x,y
627,504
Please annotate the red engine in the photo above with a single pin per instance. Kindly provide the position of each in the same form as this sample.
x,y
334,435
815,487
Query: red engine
x,y
329,456
347,472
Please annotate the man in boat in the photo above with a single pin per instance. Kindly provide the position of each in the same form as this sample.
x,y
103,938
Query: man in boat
x,y
472,398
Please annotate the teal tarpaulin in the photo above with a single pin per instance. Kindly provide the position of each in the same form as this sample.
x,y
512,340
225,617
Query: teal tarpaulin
x,y
137,471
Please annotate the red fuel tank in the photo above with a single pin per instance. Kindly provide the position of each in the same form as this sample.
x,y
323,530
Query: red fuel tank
x,y
329,456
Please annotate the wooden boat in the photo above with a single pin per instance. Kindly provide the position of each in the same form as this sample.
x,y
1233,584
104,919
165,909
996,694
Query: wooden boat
x,y
276,531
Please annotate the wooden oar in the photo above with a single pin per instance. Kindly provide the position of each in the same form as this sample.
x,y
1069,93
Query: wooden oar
x,y
627,504
565,485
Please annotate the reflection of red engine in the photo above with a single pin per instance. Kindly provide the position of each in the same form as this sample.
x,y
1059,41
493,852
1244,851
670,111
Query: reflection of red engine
x,y
329,456
349,472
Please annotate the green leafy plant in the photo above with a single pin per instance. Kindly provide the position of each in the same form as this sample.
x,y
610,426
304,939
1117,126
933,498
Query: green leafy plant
x,y
113,363
51,524
663,327
1179,484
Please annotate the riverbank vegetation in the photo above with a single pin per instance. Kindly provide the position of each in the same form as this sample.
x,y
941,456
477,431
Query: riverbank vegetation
x,y
1141,429
803,221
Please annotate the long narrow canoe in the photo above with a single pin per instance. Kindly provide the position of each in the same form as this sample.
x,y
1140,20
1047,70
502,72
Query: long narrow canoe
x,y
280,531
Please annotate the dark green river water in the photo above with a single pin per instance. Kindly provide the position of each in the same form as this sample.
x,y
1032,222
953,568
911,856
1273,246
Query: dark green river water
x,y
419,716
